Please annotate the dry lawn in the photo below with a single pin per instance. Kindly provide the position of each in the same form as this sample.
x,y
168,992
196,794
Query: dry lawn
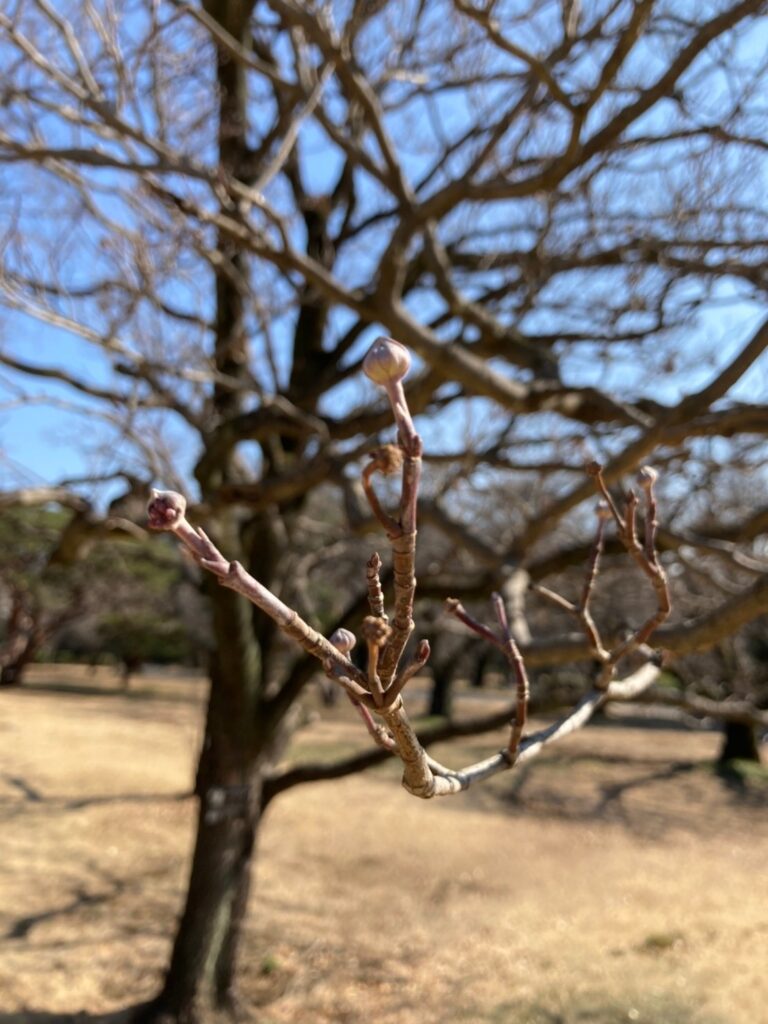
x,y
619,879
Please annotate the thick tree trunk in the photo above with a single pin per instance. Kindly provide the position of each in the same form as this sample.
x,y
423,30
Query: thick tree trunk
x,y
739,743
200,978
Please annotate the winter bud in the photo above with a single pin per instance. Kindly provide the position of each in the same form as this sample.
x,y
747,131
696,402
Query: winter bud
x,y
343,640
387,362
423,651
647,476
376,630
387,459
165,510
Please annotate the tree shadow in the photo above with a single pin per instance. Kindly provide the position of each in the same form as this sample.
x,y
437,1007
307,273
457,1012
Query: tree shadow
x,y
613,793
22,926
32,795
588,797
135,693
112,888
31,1016
745,780
28,791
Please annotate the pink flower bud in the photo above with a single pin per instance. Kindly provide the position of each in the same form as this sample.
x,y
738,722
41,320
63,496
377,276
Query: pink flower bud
x,y
165,510
343,640
387,362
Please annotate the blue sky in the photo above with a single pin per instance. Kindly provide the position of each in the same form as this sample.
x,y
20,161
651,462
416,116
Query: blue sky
x,y
41,441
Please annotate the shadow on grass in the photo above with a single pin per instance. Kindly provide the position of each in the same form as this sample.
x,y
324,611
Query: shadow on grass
x,y
32,795
123,1016
742,778
136,692
654,1009
111,888
644,796
22,926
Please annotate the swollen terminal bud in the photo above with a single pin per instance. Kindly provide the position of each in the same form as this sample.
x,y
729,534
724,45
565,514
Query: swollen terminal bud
x,y
165,510
387,362
647,477
343,640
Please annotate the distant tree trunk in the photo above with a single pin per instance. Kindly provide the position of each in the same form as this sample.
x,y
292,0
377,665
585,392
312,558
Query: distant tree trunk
x,y
739,743
480,666
129,667
21,644
441,697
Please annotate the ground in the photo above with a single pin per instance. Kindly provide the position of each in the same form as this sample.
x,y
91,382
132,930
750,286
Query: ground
x,y
618,879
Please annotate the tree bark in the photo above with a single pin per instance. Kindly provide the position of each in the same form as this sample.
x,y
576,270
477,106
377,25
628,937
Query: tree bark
x,y
441,696
739,743
200,975
21,643
14,667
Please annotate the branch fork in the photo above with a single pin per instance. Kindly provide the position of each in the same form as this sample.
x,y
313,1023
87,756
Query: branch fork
x,y
377,692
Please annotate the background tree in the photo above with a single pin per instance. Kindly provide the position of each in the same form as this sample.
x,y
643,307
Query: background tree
x,y
212,210
48,580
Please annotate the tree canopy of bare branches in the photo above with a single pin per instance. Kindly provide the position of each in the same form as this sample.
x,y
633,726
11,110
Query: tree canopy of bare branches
x,y
211,210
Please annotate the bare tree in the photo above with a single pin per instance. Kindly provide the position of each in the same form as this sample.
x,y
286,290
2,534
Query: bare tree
x,y
211,211
42,587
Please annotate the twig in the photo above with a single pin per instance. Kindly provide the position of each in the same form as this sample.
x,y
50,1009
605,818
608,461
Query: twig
x,y
379,690
407,673
166,513
522,685
645,556
373,580
375,633
457,609
386,365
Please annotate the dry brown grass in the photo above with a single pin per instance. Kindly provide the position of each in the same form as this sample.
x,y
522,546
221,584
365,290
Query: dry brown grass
x,y
617,880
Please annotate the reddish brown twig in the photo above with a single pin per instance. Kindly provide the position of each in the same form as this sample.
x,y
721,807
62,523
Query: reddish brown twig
x,y
594,469
645,557
386,365
373,581
385,460
647,477
593,570
420,659
522,686
507,645
376,731
457,609
375,633
166,511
